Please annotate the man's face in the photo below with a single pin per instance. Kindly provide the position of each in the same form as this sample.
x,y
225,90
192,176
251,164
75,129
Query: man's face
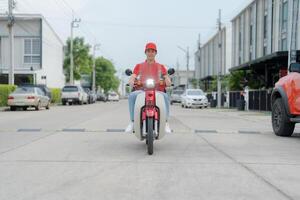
x,y
150,53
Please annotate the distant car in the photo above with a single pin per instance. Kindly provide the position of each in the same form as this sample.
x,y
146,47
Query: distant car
x,y
91,97
176,96
74,94
101,97
44,88
194,98
25,97
112,96
94,96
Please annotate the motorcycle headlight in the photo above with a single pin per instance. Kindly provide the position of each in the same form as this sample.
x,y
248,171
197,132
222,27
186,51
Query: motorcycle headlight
x,y
150,83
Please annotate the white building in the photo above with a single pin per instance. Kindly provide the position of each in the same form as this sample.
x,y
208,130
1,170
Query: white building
x,y
38,51
209,60
261,38
180,77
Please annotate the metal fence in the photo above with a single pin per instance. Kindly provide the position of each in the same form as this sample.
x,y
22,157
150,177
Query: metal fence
x,y
259,100
213,99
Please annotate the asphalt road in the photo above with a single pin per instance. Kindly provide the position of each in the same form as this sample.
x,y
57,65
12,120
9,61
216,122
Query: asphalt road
x,y
80,152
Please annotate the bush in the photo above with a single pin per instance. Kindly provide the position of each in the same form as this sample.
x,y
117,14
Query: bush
x,y
56,95
5,90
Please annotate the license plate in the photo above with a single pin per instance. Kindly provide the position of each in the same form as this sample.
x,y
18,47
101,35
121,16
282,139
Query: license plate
x,y
70,100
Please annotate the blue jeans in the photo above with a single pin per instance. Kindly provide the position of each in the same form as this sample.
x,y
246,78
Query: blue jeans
x,y
132,98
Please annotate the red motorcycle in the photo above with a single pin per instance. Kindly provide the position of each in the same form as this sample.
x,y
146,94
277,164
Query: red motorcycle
x,y
149,111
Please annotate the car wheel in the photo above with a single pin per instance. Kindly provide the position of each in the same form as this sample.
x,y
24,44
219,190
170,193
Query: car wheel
x,y
64,103
24,108
280,121
80,103
13,108
48,106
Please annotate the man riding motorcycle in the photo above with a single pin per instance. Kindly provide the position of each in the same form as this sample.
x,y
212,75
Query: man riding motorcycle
x,y
149,68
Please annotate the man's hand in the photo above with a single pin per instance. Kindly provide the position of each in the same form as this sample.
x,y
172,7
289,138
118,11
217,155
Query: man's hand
x,y
131,80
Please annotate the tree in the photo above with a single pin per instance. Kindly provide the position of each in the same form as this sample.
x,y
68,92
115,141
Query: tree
x,y
82,58
105,75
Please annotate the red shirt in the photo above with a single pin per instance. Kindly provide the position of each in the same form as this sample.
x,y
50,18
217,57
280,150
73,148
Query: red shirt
x,y
156,71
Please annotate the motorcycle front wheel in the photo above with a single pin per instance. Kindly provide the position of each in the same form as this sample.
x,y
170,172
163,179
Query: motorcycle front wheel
x,y
150,136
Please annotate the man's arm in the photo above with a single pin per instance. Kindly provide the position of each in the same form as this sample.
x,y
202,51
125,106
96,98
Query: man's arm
x,y
167,80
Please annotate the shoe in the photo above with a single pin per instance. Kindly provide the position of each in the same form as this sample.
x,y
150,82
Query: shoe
x,y
167,128
129,128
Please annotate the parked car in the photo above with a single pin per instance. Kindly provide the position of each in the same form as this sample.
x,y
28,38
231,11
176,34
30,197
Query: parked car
x,y
112,96
44,88
176,96
73,94
285,101
194,98
101,97
25,97
94,96
91,97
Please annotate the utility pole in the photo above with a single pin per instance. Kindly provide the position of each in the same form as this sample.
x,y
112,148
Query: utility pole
x,y
10,25
199,61
96,47
74,24
220,61
187,52
292,45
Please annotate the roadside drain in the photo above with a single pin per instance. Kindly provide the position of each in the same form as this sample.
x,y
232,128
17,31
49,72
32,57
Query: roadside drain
x,y
29,130
249,132
73,130
115,130
205,131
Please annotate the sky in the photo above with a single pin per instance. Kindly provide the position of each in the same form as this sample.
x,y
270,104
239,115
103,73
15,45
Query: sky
x,y
123,27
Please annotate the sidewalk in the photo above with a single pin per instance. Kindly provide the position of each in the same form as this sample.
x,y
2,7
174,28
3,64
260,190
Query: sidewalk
x,y
3,109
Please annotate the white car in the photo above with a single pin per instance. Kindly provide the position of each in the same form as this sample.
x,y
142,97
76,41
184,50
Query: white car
x,y
73,94
25,97
176,96
194,98
112,96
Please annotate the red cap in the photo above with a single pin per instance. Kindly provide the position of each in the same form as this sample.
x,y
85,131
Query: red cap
x,y
151,45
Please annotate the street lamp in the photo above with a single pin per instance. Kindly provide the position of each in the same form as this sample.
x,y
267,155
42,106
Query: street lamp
x,y
187,52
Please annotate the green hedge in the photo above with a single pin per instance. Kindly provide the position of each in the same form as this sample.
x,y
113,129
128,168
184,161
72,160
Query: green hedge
x,y
56,95
5,90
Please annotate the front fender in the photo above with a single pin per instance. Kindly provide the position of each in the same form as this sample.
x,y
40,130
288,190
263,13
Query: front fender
x,y
280,92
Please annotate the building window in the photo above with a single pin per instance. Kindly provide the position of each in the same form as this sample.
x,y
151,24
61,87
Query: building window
x,y
284,16
32,51
265,50
284,44
265,26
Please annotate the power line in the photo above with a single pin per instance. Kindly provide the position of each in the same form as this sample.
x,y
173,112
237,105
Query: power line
x,y
86,29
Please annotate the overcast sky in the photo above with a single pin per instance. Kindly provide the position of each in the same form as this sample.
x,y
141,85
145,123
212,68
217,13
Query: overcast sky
x,y
123,27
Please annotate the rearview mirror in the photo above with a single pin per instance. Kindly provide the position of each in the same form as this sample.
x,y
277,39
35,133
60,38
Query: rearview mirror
x,y
171,71
128,72
295,67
